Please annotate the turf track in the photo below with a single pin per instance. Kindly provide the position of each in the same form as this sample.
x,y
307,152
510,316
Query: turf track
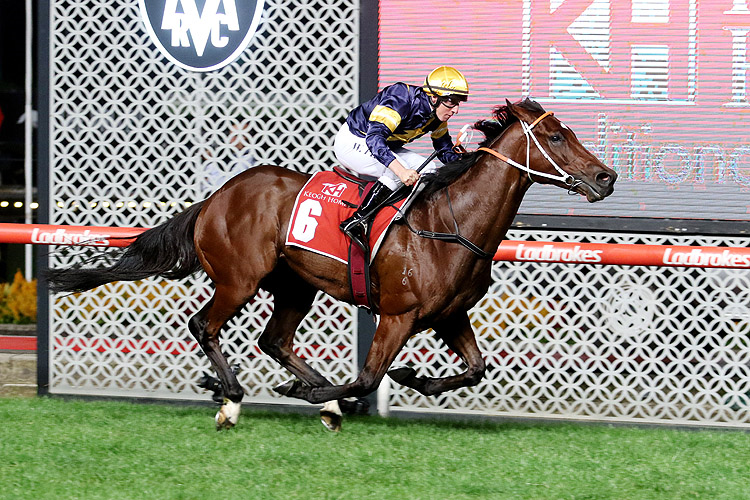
x,y
63,449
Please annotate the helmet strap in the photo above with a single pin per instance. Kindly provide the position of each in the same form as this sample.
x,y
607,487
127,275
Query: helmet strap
x,y
431,93
438,101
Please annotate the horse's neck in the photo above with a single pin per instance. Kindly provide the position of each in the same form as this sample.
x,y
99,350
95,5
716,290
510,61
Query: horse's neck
x,y
486,200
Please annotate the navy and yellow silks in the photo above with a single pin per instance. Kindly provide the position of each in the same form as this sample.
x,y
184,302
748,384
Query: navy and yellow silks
x,y
397,115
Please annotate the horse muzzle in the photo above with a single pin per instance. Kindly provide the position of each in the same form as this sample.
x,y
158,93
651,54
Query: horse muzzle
x,y
598,184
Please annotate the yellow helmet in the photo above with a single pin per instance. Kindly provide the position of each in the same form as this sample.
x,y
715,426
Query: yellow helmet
x,y
447,82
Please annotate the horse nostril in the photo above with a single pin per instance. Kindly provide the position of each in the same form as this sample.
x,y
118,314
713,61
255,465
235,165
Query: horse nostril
x,y
604,179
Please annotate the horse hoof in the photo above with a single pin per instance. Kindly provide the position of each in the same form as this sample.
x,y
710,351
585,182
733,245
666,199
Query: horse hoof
x,y
287,388
359,406
330,420
330,416
399,375
227,416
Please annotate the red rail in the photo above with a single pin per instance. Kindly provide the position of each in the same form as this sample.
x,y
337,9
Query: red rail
x,y
514,251
17,343
624,255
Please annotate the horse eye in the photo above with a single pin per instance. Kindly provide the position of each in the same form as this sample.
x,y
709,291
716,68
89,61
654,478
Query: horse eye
x,y
556,138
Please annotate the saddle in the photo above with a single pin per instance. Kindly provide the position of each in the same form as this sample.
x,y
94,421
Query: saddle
x,y
328,198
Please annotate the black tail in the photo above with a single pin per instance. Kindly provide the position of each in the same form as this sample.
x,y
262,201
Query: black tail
x,y
166,250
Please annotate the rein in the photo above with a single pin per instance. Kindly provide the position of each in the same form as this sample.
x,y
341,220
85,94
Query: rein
x,y
564,177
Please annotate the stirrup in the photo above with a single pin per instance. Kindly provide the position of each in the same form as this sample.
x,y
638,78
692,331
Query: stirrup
x,y
349,225
359,238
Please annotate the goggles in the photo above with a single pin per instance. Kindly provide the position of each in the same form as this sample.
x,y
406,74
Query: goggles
x,y
450,102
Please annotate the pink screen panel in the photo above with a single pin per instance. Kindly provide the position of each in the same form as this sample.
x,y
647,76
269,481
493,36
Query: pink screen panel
x,y
658,89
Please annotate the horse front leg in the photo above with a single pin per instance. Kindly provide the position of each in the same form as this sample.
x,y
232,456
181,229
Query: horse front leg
x,y
291,303
390,337
457,334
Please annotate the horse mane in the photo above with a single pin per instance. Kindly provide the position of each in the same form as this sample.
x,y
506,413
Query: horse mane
x,y
492,128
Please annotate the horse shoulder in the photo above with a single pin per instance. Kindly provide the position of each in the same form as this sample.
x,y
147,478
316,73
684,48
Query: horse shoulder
x,y
436,276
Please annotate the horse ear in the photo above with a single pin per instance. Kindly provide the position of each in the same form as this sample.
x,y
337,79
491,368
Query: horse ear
x,y
512,108
520,110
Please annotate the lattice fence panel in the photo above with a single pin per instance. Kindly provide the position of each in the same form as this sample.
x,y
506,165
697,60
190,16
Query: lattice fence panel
x,y
134,140
634,344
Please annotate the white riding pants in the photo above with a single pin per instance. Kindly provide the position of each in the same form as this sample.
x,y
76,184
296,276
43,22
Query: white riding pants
x,y
354,155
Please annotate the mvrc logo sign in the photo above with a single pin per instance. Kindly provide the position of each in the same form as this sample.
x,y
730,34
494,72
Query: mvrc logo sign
x,y
201,35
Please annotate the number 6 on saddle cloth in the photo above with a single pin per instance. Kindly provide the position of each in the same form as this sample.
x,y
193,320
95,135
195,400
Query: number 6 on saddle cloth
x,y
328,198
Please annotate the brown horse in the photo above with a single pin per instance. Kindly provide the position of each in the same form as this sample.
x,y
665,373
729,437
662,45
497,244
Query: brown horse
x,y
237,236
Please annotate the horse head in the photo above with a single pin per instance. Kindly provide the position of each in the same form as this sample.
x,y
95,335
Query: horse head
x,y
550,152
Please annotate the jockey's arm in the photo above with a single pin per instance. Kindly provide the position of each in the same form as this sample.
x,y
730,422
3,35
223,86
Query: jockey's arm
x,y
443,144
382,122
376,142
407,175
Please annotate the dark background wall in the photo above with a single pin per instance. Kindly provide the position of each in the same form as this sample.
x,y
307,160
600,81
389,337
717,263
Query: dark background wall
x,y
12,76
12,39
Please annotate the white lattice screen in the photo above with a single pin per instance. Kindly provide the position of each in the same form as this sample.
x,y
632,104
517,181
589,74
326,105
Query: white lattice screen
x,y
633,344
135,139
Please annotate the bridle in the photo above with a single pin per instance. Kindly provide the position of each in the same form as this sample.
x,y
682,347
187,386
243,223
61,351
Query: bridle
x,y
564,177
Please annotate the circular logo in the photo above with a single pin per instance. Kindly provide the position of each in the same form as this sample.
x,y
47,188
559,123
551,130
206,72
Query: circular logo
x,y
201,35
629,309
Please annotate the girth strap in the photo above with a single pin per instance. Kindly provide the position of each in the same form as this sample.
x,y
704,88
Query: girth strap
x,y
455,238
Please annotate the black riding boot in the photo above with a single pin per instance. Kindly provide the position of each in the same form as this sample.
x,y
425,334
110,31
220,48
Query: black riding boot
x,y
355,226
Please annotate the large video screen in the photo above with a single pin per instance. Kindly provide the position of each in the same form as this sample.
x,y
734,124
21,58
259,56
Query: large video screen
x,y
658,90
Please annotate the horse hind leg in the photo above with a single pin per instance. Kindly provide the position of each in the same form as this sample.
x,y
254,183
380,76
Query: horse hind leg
x,y
459,337
205,327
293,299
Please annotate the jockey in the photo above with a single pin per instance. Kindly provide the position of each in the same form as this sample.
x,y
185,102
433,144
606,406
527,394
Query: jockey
x,y
371,141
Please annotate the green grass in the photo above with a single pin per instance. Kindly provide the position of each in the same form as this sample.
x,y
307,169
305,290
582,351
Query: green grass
x,y
64,449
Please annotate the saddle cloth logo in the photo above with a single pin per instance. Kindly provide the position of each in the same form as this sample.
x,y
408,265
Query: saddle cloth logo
x,y
201,35
334,189
320,207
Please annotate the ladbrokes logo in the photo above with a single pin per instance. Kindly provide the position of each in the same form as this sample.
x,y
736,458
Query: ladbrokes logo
x,y
550,253
63,237
201,35
699,258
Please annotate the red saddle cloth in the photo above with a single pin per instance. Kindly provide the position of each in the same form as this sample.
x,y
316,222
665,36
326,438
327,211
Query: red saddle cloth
x,y
320,207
